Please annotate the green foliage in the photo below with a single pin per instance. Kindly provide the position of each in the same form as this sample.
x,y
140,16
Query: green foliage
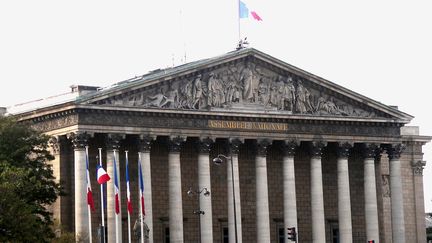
x,y
27,184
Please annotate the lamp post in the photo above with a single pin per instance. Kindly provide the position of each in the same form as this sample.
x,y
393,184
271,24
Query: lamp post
x,y
198,212
218,160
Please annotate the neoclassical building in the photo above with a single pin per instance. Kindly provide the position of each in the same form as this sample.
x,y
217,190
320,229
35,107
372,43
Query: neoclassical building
x,y
293,149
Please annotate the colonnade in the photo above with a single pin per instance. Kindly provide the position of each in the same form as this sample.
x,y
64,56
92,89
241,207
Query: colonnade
x,y
263,233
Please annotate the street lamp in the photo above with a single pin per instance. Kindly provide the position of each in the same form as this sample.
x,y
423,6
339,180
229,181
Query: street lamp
x,y
198,212
218,160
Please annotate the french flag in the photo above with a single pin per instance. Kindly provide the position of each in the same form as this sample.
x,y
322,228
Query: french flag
x,y
141,187
129,202
102,176
116,188
90,201
244,12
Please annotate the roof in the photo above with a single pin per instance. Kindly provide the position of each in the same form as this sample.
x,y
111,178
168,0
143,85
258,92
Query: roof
x,y
160,75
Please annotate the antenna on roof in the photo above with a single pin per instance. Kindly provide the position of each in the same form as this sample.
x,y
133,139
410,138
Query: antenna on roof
x,y
183,36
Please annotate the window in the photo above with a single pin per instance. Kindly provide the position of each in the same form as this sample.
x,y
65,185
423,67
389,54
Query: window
x,y
334,231
281,235
225,236
166,235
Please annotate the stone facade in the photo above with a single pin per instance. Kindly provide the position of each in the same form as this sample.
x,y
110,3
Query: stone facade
x,y
237,102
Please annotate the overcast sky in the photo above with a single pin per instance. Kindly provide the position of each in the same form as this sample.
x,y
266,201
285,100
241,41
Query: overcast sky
x,y
380,49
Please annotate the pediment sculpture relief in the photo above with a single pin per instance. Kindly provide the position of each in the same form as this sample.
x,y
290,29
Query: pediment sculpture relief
x,y
241,87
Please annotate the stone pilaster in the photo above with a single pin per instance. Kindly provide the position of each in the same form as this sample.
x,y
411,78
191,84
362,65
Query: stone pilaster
x,y
55,208
114,222
418,167
398,220
262,203
371,204
204,181
289,186
234,203
317,196
344,198
175,190
144,146
80,141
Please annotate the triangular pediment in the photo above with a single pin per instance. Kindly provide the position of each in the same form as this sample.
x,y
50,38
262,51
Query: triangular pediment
x,y
242,81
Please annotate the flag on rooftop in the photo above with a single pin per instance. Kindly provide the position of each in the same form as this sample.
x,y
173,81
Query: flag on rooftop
x,y
244,12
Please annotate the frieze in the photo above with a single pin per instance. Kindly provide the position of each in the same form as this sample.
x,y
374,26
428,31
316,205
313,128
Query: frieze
x,y
136,120
55,123
241,86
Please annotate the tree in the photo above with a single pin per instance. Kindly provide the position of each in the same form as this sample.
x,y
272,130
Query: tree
x,y
27,184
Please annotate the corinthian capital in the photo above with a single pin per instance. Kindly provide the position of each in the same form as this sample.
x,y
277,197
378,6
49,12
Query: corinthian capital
x,y
262,145
175,143
79,139
418,167
343,149
204,144
316,148
395,150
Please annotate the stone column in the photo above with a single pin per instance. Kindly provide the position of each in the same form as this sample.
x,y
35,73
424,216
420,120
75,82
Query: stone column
x,y
262,201
419,199
371,205
80,141
112,148
144,151
317,196
175,201
344,198
397,206
289,187
205,203
234,228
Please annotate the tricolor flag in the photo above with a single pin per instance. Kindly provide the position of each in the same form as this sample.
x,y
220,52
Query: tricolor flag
x,y
102,176
141,186
244,12
129,202
90,201
116,188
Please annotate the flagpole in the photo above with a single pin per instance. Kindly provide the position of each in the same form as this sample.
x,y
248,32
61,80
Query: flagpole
x,y
128,196
238,19
140,200
88,205
102,200
115,192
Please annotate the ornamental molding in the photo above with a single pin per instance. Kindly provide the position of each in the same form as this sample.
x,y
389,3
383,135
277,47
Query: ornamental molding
x,y
418,167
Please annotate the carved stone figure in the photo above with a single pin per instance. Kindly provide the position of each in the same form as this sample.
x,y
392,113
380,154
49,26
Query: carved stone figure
x,y
215,95
250,83
303,103
197,93
232,91
170,100
288,95
241,85
264,95
156,100
137,230
186,97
